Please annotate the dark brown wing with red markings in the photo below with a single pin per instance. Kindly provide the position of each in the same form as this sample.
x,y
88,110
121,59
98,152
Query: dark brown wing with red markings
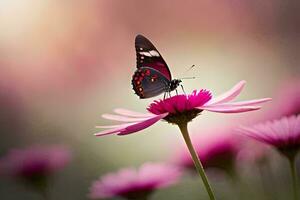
x,y
148,82
148,56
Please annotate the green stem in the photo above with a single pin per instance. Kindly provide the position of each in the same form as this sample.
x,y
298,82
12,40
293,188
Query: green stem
x,y
198,165
264,175
294,176
146,197
45,195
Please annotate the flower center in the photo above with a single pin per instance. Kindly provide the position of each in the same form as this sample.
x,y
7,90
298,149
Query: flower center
x,y
182,117
137,194
289,150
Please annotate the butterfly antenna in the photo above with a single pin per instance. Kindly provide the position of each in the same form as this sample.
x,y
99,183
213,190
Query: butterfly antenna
x,y
190,68
193,77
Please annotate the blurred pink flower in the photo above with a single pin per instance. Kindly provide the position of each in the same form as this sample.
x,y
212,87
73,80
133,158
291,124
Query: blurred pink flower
x,y
216,148
34,162
283,134
287,100
134,184
252,153
179,109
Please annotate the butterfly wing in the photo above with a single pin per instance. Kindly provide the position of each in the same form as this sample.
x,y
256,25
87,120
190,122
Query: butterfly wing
x,y
147,55
148,82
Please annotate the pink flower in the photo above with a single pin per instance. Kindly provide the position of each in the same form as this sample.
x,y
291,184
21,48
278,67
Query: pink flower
x,y
179,109
216,148
283,134
34,162
287,100
252,152
134,184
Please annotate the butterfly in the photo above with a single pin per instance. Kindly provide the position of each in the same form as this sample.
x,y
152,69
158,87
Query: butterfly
x,y
153,76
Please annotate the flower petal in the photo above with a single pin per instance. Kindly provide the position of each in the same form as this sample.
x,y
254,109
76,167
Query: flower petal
x,y
130,113
229,109
255,134
229,95
110,131
142,125
114,126
123,118
247,103
128,128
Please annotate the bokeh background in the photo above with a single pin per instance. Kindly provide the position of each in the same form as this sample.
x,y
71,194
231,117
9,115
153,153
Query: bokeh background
x,y
63,63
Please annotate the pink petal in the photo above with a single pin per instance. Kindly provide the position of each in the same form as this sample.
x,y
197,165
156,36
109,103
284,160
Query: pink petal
x,y
122,118
130,113
128,128
142,125
250,132
229,95
229,109
114,126
247,103
110,131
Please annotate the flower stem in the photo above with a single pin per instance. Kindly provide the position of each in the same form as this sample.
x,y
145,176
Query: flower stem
x,y
45,195
197,162
294,176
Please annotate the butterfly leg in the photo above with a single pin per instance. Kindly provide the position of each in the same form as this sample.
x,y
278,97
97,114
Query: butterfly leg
x,y
176,92
165,95
182,89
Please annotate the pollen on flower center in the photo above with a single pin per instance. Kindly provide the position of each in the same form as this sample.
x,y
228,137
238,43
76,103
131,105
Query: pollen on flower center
x,y
181,108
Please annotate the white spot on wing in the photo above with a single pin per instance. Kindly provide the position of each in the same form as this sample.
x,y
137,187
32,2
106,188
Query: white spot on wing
x,y
145,54
154,53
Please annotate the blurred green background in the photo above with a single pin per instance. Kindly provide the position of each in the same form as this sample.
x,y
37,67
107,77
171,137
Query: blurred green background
x,y
64,63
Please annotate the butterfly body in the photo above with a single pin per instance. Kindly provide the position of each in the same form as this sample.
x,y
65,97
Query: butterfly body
x,y
152,76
